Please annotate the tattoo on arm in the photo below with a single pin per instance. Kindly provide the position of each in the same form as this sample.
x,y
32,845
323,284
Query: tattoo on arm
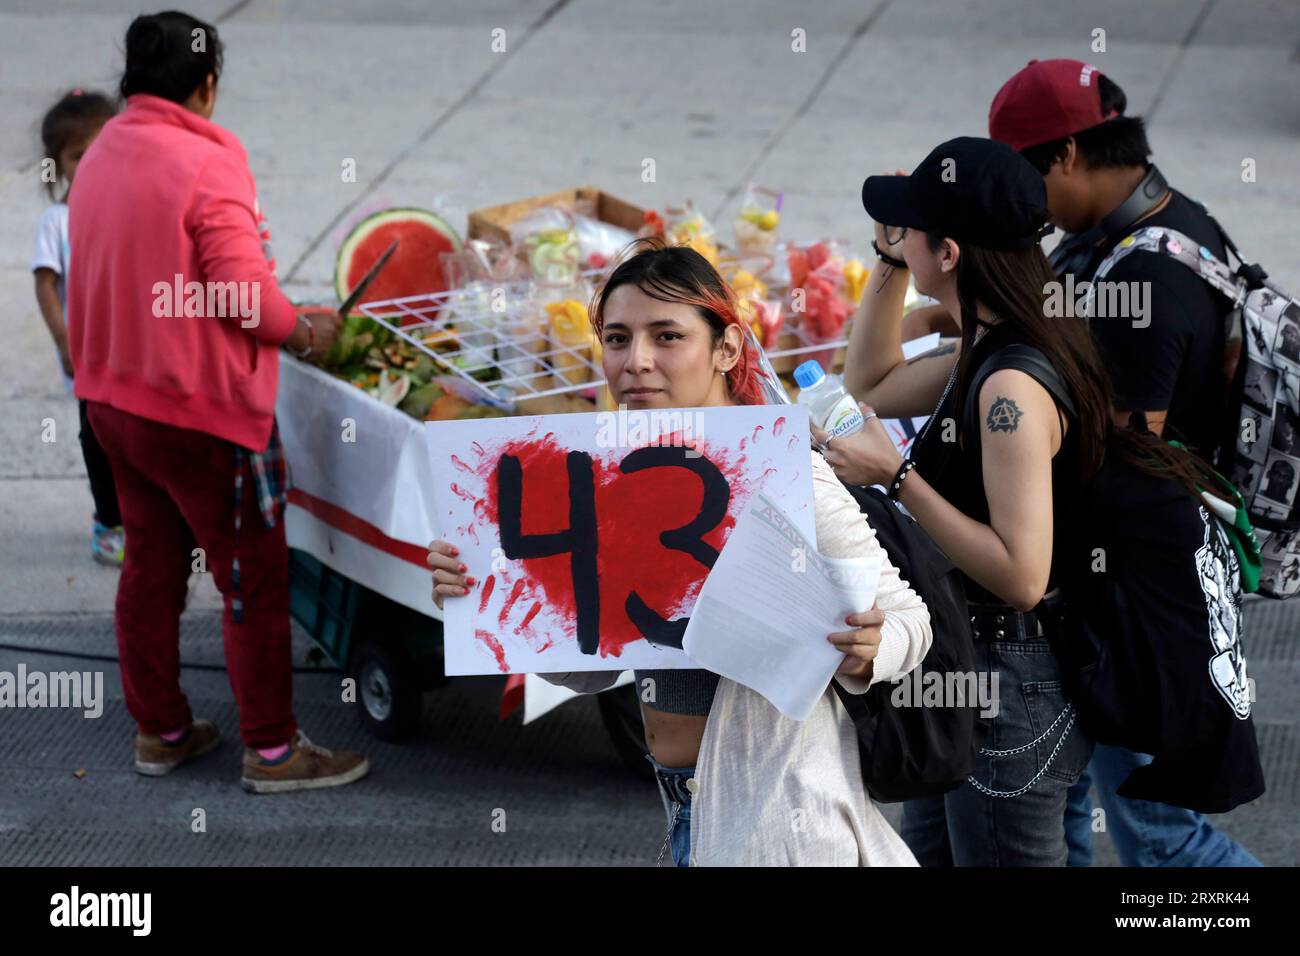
x,y
1004,415
938,350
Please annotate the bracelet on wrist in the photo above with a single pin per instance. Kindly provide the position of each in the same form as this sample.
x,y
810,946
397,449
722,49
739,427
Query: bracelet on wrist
x,y
896,485
311,339
886,258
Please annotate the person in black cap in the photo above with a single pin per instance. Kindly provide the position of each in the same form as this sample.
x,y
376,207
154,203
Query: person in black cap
x,y
993,491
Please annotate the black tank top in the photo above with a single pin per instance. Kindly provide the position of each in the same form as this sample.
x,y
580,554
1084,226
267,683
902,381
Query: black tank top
x,y
955,469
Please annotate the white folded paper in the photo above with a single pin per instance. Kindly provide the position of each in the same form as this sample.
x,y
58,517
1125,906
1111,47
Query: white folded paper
x,y
767,606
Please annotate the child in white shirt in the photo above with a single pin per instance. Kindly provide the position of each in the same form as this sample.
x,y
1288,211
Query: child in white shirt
x,y
67,131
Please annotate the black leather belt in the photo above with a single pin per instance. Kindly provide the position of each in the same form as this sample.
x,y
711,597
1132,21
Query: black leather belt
x,y
1001,622
994,622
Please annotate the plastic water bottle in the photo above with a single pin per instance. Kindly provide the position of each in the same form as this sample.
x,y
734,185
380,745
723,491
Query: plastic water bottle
x,y
830,406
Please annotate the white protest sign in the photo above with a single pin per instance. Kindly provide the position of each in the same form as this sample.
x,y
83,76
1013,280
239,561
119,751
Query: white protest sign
x,y
590,535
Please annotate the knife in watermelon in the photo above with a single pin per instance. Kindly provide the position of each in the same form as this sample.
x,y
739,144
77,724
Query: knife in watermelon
x,y
355,295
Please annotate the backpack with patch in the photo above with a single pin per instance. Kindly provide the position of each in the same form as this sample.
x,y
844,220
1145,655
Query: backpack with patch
x,y
1262,457
908,748
1148,634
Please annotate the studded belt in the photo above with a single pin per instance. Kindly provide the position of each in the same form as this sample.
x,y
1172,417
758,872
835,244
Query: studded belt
x,y
1000,622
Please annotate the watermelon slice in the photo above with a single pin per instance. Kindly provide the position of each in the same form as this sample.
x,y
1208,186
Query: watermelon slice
x,y
414,269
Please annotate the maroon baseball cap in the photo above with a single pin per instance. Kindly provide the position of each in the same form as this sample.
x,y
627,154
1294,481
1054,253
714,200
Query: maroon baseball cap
x,y
1047,100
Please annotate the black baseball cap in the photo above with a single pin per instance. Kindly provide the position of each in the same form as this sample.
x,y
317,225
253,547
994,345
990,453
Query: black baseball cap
x,y
970,189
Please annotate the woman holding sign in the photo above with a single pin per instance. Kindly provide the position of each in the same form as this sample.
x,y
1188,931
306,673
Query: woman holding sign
x,y
741,783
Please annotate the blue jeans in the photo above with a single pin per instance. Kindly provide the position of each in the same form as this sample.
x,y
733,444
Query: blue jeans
x,y
676,798
1144,833
1034,750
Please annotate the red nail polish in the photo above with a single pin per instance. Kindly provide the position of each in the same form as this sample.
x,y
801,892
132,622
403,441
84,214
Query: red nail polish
x,y
470,581
463,569
455,552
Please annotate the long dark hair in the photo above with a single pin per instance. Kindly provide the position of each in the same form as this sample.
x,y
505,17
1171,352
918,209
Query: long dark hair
x,y
1014,286
170,54
76,115
680,274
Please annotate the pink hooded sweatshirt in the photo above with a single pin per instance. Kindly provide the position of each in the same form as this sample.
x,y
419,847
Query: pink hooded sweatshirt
x,y
174,312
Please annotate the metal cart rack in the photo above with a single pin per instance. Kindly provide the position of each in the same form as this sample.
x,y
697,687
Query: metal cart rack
x,y
502,353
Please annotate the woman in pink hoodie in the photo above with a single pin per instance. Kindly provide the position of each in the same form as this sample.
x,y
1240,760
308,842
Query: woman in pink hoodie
x,y
175,320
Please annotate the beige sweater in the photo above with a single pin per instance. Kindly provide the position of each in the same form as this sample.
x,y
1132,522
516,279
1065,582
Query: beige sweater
x,y
778,792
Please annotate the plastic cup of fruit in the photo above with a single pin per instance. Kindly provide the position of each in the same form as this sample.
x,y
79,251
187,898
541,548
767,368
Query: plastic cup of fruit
x,y
752,240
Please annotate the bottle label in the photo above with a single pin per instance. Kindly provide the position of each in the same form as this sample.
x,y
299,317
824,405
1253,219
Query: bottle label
x,y
845,418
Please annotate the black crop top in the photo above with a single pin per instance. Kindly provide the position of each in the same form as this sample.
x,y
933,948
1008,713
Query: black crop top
x,y
958,475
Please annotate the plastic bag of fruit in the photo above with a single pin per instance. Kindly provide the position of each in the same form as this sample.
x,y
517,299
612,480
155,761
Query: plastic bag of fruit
x,y
599,242
756,225
547,238
831,281
826,284
759,307
574,350
685,225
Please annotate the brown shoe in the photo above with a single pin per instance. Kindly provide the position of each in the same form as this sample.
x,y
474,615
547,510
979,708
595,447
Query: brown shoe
x,y
154,757
308,768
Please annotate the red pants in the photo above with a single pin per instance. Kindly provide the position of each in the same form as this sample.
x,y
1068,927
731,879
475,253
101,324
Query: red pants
x,y
176,489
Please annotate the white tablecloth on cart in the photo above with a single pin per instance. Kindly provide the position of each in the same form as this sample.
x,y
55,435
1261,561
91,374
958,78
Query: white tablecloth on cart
x,y
365,508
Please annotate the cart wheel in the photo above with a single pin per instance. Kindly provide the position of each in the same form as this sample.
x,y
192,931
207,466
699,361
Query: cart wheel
x,y
388,696
621,712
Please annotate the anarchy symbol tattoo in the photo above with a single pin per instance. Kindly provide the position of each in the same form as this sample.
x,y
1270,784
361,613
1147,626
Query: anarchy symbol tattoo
x,y
1004,416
